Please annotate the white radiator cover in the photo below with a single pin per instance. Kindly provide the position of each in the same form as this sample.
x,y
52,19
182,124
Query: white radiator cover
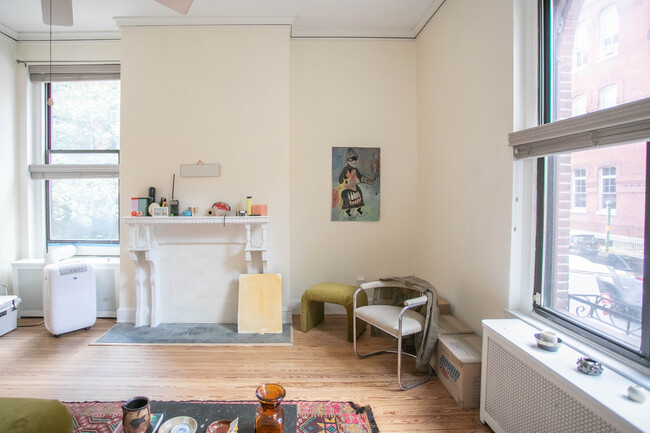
x,y
27,282
525,389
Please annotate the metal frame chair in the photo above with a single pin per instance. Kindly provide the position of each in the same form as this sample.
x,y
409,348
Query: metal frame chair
x,y
396,321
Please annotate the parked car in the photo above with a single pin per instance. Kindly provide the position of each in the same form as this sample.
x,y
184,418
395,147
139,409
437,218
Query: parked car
x,y
628,264
585,244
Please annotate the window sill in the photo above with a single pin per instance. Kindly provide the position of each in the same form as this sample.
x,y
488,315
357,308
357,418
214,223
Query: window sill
x,y
626,368
606,56
578,210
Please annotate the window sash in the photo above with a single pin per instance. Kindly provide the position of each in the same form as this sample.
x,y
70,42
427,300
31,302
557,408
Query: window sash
x,y
543,268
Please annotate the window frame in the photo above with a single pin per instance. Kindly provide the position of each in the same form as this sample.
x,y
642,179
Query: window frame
x,y
601,186
579,100
575,192
545,94
606,53
50,171
580,56
605,93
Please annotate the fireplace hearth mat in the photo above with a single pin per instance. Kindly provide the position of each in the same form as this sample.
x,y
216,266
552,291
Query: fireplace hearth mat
x,y
191,334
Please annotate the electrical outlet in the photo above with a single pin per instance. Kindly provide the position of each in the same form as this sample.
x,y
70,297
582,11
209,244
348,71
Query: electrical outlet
x,y
360,280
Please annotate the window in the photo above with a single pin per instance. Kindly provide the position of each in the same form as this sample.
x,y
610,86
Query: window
x,y
580,47
607,97
579,105
579,188
609,32
81,157
607,188
590,265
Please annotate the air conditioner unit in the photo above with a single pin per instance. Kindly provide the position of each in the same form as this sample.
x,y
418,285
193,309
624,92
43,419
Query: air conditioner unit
x,y
69,297
526,389
27,282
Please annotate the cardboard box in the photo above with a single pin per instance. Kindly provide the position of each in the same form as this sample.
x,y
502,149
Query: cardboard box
x,y
8,313
443,306
449,325
459,367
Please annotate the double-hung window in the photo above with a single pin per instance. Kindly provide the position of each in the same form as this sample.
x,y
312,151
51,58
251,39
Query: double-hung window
x,y
579,188
81,142
590,264
609,30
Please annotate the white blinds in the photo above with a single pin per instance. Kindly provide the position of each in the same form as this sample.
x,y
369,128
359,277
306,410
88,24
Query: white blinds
x,y
622,124
41,73
73,171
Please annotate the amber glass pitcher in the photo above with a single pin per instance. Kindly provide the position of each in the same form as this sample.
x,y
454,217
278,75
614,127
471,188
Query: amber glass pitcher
x,y
270,415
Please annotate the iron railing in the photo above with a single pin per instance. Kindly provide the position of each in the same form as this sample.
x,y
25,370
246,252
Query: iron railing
x,y
619,314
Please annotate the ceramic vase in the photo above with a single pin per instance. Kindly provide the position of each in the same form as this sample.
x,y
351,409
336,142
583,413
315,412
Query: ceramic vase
x,y
136,415
270,415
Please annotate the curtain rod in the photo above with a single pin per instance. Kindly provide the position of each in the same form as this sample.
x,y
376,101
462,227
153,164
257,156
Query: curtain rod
x,y
82,62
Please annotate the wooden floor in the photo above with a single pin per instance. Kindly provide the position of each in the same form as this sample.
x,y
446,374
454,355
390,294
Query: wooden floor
x,y
320,365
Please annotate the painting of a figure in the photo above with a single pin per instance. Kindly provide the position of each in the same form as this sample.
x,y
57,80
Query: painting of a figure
x,y
355,183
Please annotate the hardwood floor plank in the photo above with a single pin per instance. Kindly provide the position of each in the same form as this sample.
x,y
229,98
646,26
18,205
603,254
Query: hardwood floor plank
x,y
320,365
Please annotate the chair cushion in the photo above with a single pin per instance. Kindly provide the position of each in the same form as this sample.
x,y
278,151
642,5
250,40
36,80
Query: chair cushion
x,y
386,317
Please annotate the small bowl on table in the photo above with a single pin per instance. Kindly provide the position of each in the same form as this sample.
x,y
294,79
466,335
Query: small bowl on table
x,y
219,426
179,424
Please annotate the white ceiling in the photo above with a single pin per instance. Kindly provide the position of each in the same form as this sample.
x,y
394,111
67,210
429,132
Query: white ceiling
x,y
101,19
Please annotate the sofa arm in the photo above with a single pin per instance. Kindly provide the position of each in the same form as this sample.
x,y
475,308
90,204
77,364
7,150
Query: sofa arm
x,y
34,415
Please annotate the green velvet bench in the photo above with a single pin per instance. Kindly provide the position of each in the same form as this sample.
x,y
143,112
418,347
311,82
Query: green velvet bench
x,y
312,305
34,415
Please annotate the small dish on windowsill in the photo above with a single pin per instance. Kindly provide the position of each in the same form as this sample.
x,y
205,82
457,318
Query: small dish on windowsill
x,y
547,345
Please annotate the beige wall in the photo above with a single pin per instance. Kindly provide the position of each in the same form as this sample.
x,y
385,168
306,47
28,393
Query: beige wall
x,y
9,166
219,95
352,93
269,109
465,111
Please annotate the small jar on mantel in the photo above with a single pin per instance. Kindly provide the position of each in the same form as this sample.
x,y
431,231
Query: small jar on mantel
x,y
270,415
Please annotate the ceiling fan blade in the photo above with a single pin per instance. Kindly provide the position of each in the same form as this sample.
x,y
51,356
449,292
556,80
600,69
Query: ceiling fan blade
x,y
61,13
180,6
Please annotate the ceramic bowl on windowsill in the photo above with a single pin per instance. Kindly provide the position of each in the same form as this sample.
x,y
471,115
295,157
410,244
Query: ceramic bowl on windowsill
x,y
547,345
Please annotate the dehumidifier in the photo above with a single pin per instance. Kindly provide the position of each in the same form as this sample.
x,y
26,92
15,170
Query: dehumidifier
x,y
69,297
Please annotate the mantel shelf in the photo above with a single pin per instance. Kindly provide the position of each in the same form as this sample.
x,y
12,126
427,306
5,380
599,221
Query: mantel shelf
x,y
197,220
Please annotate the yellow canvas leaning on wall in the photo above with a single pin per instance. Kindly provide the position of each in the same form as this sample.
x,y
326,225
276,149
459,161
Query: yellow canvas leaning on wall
x,y
260,304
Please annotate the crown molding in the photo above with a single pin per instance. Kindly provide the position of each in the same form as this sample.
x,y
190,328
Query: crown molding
x,y
201,21
426,17
8,32
68,36
351,33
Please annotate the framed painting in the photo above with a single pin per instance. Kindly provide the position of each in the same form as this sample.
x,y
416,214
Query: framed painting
x,y
355,183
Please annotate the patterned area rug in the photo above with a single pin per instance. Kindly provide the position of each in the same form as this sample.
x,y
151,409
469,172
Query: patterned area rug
x,y
300,416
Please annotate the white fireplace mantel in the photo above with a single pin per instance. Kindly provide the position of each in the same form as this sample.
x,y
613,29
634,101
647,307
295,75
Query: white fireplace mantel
x,y
147,233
